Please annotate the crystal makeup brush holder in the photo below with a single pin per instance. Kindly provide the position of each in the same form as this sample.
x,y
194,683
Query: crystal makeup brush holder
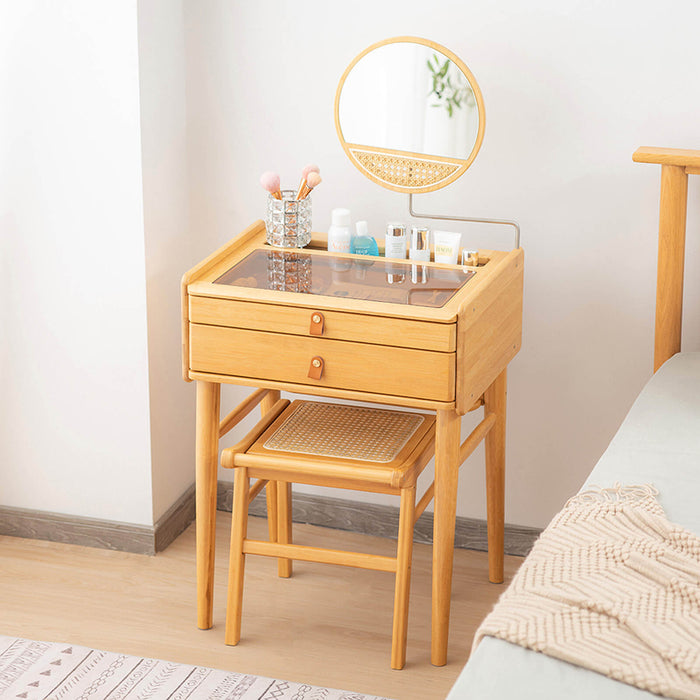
x,y
288,220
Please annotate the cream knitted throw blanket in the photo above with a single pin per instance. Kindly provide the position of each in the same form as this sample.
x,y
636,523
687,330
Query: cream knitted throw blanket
x,y
613,586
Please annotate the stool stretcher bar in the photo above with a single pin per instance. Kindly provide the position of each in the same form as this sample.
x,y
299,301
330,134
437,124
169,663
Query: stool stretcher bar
x,y
358,560
256,488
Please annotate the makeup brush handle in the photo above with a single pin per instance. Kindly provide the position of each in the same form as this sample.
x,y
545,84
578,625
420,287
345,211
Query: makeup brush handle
x,y
304,191
303,187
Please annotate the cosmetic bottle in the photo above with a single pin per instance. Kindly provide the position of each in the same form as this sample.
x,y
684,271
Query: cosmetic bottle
x,y
419,248
446,246
339,233
362,243
395,241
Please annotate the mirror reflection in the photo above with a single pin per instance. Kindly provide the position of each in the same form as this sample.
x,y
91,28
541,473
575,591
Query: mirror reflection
x,y
410,97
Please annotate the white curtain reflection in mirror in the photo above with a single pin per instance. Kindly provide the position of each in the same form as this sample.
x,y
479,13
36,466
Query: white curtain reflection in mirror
x,y
409,97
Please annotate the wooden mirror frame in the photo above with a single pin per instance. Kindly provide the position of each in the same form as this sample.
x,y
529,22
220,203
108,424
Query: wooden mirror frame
x,y
395,169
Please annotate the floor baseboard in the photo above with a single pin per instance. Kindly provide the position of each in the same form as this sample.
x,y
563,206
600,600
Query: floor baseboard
x,y
74,529
95,532
341,514
175,520
383,521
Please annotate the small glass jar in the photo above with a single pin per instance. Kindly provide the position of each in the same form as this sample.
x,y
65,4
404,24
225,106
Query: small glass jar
x,y
288,220
470,257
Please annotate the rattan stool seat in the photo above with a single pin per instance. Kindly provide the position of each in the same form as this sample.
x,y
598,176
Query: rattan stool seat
x,y
349,432
353,447
313,442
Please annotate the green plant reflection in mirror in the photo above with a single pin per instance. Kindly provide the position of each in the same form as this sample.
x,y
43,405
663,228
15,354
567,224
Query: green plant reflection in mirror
x,y
450,88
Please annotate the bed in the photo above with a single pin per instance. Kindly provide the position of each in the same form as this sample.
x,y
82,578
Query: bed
x,y
658,443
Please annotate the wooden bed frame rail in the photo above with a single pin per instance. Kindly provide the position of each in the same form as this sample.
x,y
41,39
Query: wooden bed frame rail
x,y
676,164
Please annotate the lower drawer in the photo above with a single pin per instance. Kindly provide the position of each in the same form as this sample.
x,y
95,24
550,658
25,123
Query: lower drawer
x,y
355,366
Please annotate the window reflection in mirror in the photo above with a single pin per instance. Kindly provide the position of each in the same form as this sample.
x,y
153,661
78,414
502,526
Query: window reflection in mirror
x,y
409,97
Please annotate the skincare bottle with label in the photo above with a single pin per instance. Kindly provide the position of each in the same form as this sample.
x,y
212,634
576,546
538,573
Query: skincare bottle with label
x,y
339,233
362,243
395,241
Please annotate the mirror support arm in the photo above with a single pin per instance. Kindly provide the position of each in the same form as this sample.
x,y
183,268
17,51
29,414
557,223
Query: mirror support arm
x,y
440,217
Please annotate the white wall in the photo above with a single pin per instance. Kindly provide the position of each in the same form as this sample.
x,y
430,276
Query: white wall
x,y
170,249
74,414
571,90
100,215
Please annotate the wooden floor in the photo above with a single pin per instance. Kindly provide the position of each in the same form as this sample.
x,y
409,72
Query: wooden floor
x,y
328,625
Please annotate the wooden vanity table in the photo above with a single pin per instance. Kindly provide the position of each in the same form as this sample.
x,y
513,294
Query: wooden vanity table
x,y
420,335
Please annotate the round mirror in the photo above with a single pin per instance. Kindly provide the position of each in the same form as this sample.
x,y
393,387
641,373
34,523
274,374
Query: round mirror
x,y
409,114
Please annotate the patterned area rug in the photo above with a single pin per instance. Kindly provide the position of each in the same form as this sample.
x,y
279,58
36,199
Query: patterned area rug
x,y
48,671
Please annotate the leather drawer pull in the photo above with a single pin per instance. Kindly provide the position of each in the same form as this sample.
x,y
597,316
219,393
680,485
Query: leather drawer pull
x,y
316,323
316,368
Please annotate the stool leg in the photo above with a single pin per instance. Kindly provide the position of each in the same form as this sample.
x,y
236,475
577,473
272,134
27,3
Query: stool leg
x,y
239,530
272,514
404,555
284,525
277,506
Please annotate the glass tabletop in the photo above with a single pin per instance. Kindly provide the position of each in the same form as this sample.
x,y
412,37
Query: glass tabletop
x,y
377,279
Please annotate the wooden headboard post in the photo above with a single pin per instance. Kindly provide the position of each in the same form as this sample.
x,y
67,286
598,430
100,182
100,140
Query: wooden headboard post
x,y
676,165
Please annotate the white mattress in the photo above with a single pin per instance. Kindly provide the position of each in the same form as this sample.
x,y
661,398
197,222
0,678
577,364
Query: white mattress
x,y
658,443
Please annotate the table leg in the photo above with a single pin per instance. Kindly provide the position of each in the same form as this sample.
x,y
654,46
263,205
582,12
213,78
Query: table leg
x,y
447,442
495,443
206,466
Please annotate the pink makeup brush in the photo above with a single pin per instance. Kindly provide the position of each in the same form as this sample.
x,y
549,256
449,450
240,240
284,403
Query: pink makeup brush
x,y
271,182
305,174
312,180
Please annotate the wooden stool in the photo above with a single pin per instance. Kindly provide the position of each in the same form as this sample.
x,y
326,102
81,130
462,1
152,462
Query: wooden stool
x,y
325,444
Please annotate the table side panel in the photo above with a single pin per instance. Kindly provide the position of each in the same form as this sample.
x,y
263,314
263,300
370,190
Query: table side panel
x,y
348,365
489,331
381,330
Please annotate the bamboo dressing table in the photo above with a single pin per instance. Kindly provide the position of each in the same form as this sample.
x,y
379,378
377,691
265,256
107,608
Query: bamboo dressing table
x,y
423,336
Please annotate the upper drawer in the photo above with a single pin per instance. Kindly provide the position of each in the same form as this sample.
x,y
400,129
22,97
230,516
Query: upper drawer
x,y
338,325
